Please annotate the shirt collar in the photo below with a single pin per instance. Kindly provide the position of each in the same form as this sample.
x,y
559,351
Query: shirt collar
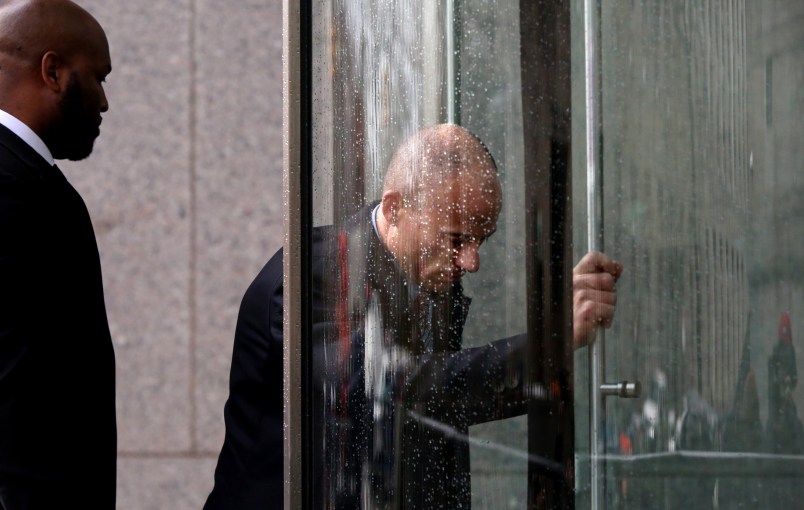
x,y
413,289
19,128
374,220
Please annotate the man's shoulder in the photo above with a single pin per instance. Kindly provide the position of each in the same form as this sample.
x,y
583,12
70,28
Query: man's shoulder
x,y
18,161
20,186
326,242
11,166
269,277
271,273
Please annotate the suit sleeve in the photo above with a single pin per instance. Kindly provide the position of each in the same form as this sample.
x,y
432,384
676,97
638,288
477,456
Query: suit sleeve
x,y
457,388
249,471
479,384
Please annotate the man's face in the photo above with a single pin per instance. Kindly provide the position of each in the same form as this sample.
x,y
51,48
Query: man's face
x,y
81,106
439,242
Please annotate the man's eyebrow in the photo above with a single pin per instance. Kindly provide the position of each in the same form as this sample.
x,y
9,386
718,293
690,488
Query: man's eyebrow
x,y
490,233
463,235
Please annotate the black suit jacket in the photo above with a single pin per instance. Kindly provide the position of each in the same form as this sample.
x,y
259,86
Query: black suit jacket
x,y
414,450
57,375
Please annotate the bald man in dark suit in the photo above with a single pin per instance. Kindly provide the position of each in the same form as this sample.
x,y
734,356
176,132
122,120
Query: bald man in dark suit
x,y
58,436
396,439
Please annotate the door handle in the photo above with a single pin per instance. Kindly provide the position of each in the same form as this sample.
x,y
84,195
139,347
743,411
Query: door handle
x,y
624,389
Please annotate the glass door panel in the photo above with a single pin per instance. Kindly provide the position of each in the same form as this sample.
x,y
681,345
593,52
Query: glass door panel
x,y
700,147
418,400
490,105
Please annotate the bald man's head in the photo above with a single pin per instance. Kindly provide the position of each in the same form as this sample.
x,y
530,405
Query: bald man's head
x,y
441,201
54,57
435,154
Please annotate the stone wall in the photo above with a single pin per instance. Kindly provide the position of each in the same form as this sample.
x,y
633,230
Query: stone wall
x,y
184,190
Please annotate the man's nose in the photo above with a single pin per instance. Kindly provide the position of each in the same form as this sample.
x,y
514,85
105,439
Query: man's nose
x,y
468,258
104,106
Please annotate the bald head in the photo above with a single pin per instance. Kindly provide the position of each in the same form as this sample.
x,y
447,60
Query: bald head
x,y
31,28
435,155
441,201
54,57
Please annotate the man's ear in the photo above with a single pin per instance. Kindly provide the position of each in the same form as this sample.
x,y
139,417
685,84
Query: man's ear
x,y
392,204
55,74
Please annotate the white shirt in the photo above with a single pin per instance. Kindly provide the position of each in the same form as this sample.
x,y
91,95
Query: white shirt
x,y
28,136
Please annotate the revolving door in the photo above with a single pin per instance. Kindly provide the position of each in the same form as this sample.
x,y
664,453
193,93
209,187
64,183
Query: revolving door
x,y
664,134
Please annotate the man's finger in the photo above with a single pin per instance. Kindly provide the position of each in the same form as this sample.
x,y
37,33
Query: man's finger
x,y
594,312
598,281
594,296
596,262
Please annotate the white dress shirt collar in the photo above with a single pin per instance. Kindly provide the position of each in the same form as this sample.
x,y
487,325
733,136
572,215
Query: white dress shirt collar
x,y
28,136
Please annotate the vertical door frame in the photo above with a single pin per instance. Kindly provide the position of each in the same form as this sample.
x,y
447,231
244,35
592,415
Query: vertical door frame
x,y
297,220
546,95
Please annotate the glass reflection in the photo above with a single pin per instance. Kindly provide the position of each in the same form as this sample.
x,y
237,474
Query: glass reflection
x,y
382,71
701,159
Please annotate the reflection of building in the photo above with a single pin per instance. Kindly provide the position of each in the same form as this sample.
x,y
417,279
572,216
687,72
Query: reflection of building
x,y
681,201
693,171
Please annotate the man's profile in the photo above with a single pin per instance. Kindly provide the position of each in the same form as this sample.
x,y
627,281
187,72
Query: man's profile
x,y
394,391
58,436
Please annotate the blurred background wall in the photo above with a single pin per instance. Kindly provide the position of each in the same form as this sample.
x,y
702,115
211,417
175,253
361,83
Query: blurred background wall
x,y
184,190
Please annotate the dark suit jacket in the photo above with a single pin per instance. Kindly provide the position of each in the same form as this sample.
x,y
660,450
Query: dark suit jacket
x,y
401,435
249,470
57,375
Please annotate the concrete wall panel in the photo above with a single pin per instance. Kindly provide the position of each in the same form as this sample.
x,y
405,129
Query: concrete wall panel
x,y
137,189
238,182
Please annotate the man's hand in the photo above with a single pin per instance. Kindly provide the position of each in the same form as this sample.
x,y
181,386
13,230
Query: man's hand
x,y
594,295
